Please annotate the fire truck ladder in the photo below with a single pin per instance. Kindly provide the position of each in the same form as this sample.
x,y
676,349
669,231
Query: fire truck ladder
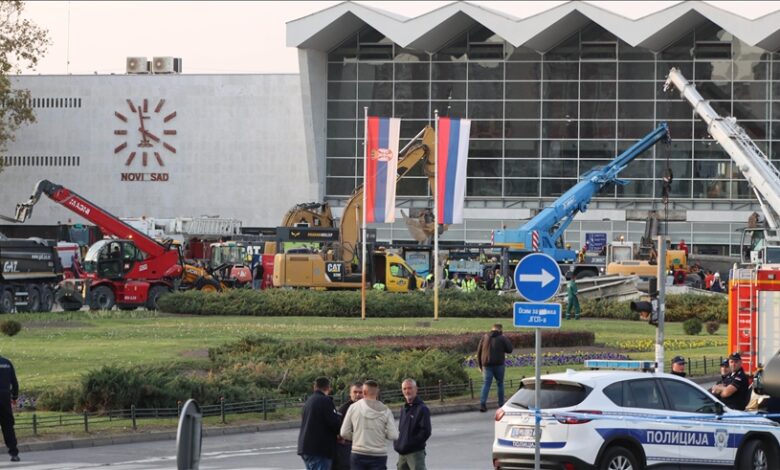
x,y
747,324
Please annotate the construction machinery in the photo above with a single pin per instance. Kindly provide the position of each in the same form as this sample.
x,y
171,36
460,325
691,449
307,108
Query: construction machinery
x,y
129,271
544,232
30,270
754,290
335,267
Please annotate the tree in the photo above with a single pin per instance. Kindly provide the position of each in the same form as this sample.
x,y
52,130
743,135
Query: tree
x,y
22,43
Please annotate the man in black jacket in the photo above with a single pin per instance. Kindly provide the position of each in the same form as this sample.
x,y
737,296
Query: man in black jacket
x,y
491,357
414,429
344,447
9,392
319,427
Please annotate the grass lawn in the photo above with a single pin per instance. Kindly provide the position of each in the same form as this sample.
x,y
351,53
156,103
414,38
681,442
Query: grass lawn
x,y
56,348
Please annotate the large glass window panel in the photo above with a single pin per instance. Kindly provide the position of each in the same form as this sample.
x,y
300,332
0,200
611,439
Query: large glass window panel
x,y
341,148
522,129
486,90
663,67
677,109
557,149
598,90
448,71
598,71
597,149
597,129
636,188
568,49
680,188
714,90
559,110
636,90
680,129
776,143
597,109
378,71
554,188
412,187
449,108
679,50
486,51
522,90
561,71
454,51
595,32
375,108
410,55
775,115
598,50
587,165
342,90
341,129
641,167
521,53
711,169
342,71
751,91
411,91
709,150
755,129
559,129
342,110
411,109
448,90
560,90
412,71
559,168
340,186
481,168
741,190
711,189
748,69
712,70
340,167
410,128
635,109
483,187
375,90
485,149
345,50
375,52
372,36
627,52
522,109
521,168
521,148
634,129
486,70
524,71
636,70
680,168
752,110
487,129
517,188
486,109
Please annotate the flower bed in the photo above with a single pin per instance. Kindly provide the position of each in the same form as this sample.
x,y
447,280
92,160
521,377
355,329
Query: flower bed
x,y
560,358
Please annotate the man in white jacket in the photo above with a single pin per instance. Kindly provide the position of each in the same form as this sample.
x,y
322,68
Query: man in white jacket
x,y
369,424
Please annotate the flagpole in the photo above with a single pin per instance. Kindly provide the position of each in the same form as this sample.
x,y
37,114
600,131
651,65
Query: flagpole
x,y
436,219
363,255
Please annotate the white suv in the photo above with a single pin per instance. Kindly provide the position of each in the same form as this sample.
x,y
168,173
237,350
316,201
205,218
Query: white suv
x,y
618,420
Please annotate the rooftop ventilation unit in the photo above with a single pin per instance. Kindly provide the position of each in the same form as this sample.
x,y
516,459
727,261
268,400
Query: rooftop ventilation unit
x,y
137,65
166,65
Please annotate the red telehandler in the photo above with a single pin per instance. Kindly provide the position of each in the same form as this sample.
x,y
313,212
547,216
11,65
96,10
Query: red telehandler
x,y
129,271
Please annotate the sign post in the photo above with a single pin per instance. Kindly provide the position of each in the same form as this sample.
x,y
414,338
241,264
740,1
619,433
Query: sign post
x,y
537,279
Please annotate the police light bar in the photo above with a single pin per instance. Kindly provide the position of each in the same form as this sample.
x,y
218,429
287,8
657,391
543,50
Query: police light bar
x,y
620,365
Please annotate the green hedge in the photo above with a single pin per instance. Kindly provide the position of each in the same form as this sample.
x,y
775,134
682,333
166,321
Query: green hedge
x,y
453,303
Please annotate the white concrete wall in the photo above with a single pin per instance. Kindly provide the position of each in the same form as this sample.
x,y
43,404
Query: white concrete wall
x,y
240,147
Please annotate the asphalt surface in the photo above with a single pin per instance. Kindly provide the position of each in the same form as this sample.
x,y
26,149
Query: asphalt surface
x,y
459,441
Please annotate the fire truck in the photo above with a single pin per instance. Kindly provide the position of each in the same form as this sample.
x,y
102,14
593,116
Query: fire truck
x,y
754,288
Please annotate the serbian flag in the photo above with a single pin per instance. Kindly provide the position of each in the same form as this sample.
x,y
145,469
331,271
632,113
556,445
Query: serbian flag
x,y
452,146
381,168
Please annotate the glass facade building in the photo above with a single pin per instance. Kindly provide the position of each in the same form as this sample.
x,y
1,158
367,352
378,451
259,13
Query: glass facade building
x,y
542,120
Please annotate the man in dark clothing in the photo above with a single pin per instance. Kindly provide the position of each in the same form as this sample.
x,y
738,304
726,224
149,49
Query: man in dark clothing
x,y
9,392
734,392
258,274
414,429
678,366
319,427
491,356
344,448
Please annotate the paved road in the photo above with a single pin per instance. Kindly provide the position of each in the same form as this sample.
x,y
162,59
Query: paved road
x,y
460,441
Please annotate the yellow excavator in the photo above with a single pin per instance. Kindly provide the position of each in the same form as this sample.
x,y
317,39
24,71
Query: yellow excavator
x,y
334,266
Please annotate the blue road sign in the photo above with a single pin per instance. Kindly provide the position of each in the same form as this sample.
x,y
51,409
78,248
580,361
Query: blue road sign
x,y
533,315
537,277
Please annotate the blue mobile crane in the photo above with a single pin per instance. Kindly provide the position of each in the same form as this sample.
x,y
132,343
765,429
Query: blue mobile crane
x,y
549,224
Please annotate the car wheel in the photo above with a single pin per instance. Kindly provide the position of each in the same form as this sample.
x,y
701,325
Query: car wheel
x,y
208,285
154,296
754,456
619,458
101,298
7,301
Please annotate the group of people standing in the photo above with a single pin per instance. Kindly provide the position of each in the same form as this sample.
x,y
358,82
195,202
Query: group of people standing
x,y
355,436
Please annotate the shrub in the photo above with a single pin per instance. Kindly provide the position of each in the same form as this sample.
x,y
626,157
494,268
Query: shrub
x,y
712,327
10,327
692,326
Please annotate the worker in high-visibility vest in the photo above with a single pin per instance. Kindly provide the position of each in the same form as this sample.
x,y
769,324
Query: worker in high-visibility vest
x,y
378,286
498,282
469,285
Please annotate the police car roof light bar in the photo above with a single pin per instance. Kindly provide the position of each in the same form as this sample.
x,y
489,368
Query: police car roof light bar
x,y
644,366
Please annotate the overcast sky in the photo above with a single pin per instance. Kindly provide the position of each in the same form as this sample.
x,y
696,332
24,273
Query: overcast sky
x,y
232,37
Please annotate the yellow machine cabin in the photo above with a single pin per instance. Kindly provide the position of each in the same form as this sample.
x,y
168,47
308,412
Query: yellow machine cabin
x,y
675,260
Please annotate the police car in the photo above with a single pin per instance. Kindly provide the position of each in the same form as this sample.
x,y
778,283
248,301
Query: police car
x,y
630,420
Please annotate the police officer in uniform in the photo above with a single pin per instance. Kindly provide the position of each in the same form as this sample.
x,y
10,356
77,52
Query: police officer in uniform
x,y
734,392
9,392
678,366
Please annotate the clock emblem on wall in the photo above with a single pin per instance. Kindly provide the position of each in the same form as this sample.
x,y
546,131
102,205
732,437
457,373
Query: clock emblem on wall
x,y
144,130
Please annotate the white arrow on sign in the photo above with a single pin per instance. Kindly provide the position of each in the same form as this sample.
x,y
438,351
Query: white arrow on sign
x,y
544,278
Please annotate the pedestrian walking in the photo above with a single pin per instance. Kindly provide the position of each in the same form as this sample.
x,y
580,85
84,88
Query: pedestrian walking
x,y
319,428
9,393
369,424
491,356
257,283
572,302
344,447
414,429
